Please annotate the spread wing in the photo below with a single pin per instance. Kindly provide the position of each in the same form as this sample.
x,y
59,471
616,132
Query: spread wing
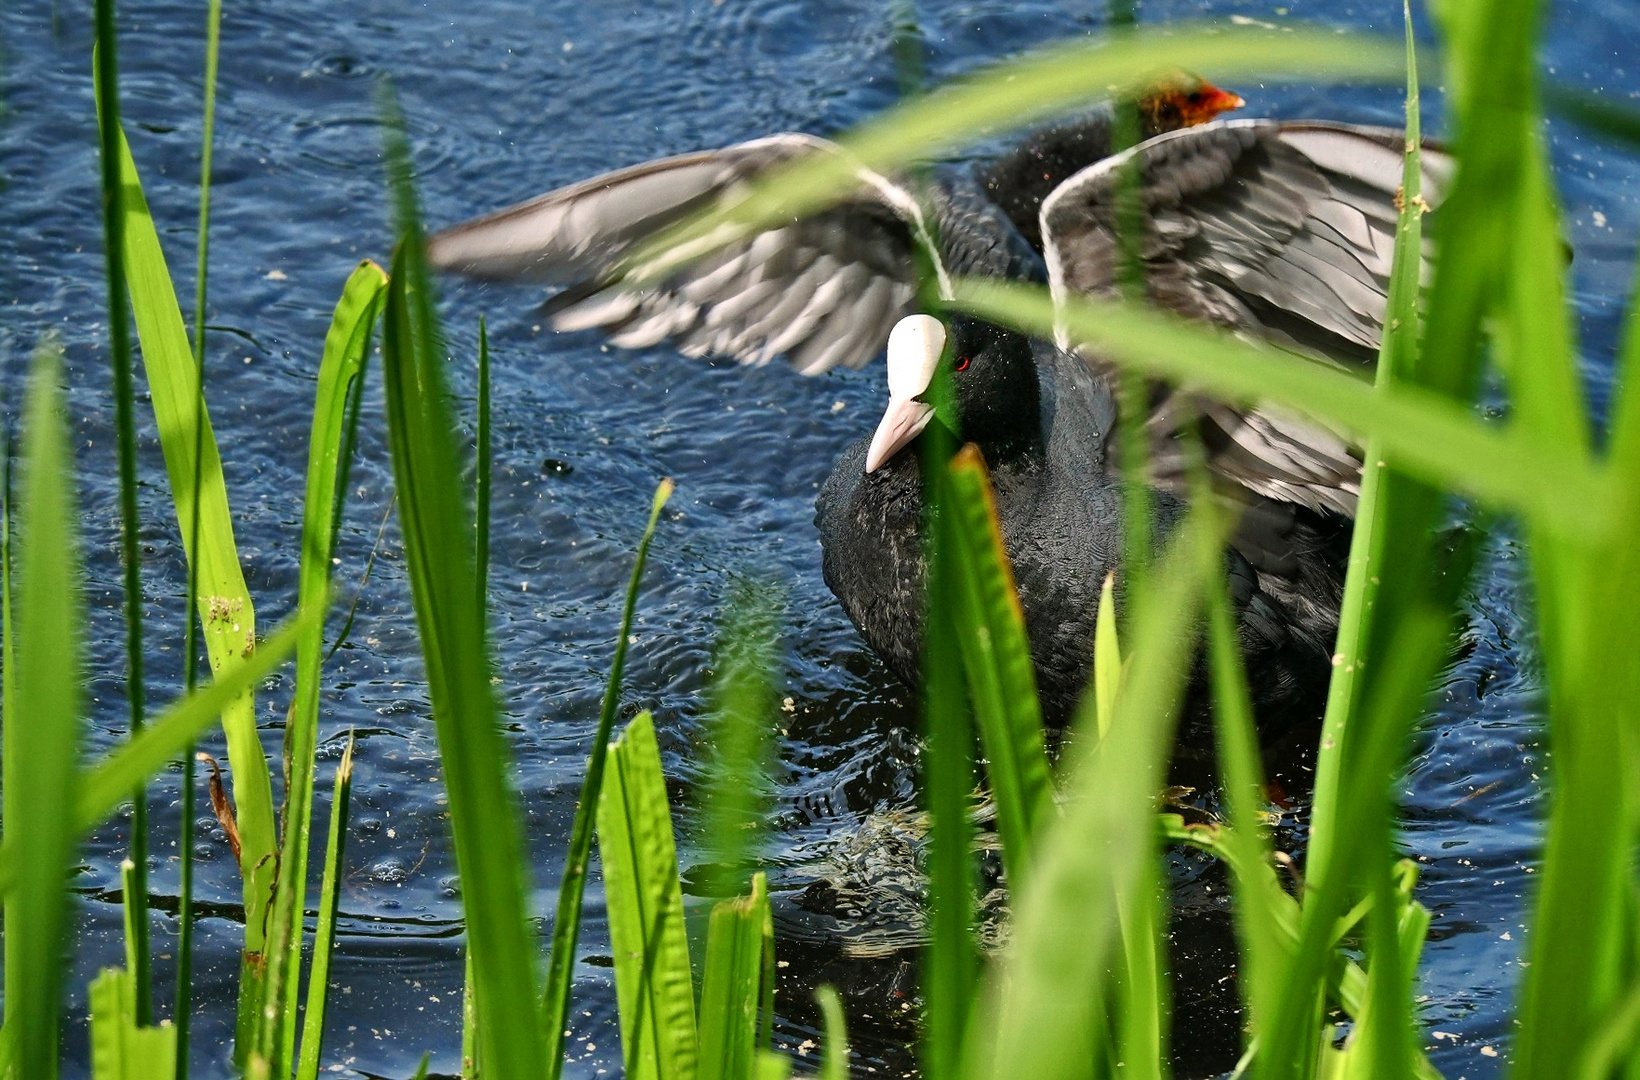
x,y
1283,230
824,290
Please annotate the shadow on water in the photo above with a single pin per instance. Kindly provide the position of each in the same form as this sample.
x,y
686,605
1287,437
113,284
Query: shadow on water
x,y
508,98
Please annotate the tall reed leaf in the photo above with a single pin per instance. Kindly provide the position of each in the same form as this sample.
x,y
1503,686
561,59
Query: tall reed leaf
x,y
1388,558
653,985
1377,528
182,1003
949,963
347,347
996,657
566,926
324,934
733,805
225,609
731,984
105,65
835,1064
1259,900
1037,1008
121,1048
44,732
10,759
438,547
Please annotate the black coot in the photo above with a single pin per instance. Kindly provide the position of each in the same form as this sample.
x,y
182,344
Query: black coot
x,y
1281,230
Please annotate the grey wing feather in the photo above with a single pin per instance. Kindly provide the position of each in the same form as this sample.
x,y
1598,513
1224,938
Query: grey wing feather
x,y
1280,230
824,290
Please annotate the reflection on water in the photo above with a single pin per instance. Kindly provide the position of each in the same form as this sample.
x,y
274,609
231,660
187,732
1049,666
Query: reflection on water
x,y
508,98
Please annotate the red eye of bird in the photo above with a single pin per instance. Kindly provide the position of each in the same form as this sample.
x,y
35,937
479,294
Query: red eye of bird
x,y
962,364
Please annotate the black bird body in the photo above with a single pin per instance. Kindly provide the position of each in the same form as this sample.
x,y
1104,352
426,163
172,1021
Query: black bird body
x,y
1060,510
1281,231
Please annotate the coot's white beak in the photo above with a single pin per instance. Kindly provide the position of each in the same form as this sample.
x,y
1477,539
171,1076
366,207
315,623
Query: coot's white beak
x,y
914,349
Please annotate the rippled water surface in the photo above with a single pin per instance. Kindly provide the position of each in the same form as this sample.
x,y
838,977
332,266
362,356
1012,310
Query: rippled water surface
x,y
505,99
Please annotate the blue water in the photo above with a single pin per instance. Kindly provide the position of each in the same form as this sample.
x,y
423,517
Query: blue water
x,y
505,99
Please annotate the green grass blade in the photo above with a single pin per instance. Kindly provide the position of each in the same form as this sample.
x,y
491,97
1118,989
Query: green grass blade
x,y
1021,93
1594,112
1142,1004
1582,944
108,784
228,616
481,559
182,1004
996,657
1065,913
835,1064
39,835
731,983
949,963
116,209
484,454
133,910
122,1048
1107,656
438,546
347,344
324,935
1258,894
765,1030
1361,834
653,985
1398,360
9,753
1433,438
734,804
566,925
469,1019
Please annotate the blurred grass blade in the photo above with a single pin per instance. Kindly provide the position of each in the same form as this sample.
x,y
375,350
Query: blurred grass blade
x,y
115,205
653,984
438,548
1376,522
734,804
134,909
1582,945
481,588
39,836
108,784
1259,898
731,983
182,1002
121,1048
483,453
1435,439
772,1066
1065,912
1594,112
834,1065
1107,656
1360,841
949,965
227,615
324,934
566,925
1016,94
347,346
996,657
10,758
1142,1004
